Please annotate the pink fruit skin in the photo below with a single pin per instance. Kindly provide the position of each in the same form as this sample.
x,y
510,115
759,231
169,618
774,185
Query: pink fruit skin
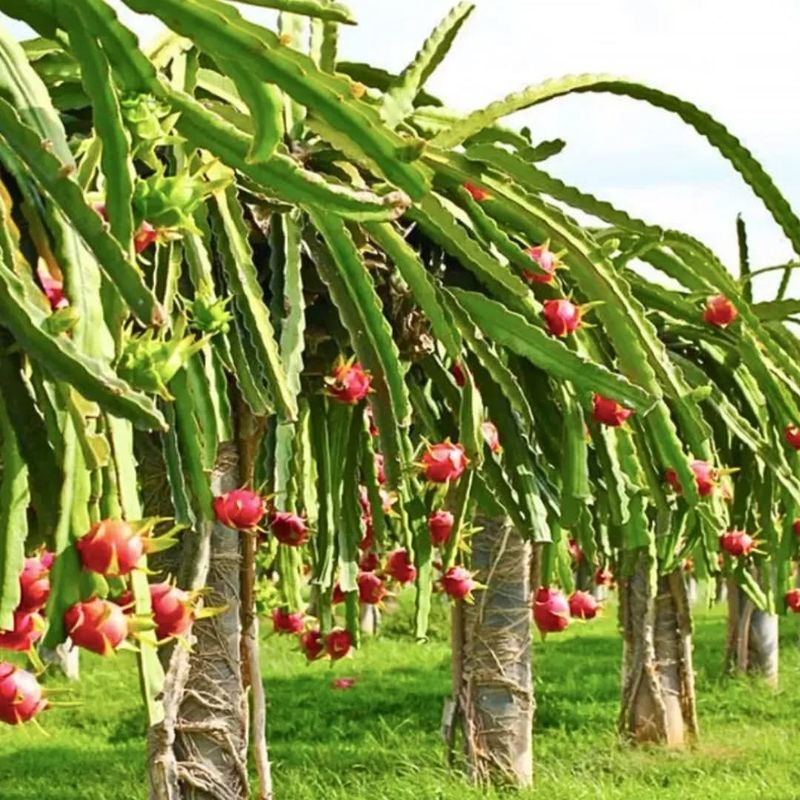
x,y
53,289
373,428
286,621
399,567
288,528
380,472
444,462
144,237
575,550
240,509
349,383
111,548
28,627
704,474
440,525
609,412
311,644
583,606
550,610
96,625
562,317
368,539
369,562
792,598
172,610
371,589
20,695
603,577
338,643
491,436
478,194
458,583
34,582
792,435
737,543
545,260
720,311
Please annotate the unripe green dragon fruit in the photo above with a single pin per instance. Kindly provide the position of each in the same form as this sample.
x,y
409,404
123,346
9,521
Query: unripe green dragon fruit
x,y
148,122
209,316
149,362
169,201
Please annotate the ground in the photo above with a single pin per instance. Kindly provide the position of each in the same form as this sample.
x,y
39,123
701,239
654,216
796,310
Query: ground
x,y
380,739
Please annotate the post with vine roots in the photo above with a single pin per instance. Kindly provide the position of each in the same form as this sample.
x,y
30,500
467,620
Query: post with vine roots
x,y
658,695
492,659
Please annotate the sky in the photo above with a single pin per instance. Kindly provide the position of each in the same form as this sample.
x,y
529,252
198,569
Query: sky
x,y
732,58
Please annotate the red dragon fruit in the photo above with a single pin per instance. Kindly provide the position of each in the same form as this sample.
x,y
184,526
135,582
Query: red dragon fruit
x,y
53,288
705,477
491,436
440,525
562,317
288,528
603,577
720,311
458,583
111,547
575,551
380,472
34,582
609,412
28,627
145,235
240,509
338,643
286,621
457,371
737,543
388,499
792,598
371,589
477,194
583,606
173,610
792,435
368,539
337,595
348,383
20,695
311,644
444,462
550,610
369,562
399,566
373,428
796,528
546,260
96,625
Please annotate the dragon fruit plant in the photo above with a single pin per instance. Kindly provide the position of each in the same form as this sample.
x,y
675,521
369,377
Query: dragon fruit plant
x,y
345,319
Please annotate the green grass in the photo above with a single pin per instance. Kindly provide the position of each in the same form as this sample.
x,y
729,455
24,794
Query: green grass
x,y
380,741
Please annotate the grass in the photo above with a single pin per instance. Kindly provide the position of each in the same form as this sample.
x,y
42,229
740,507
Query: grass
x,y
380,741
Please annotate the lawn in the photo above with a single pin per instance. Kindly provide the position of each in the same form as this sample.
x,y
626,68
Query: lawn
x,y
379,740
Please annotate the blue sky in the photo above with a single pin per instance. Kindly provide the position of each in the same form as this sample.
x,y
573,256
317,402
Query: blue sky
x,y
733,59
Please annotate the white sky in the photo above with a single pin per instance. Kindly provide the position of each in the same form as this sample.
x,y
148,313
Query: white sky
x,y
733,58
